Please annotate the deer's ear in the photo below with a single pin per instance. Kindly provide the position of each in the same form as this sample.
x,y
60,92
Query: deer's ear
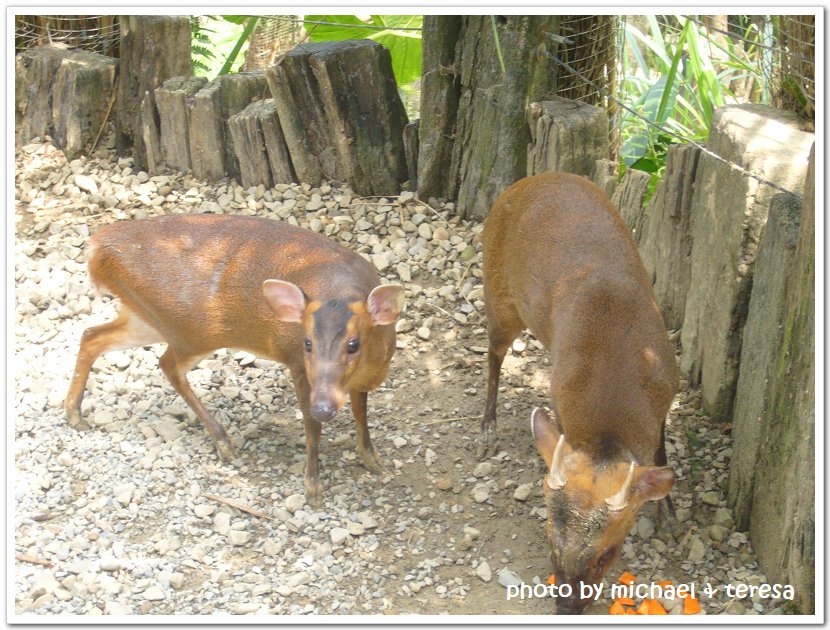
x,y
652,483
385,303
545,433
285,299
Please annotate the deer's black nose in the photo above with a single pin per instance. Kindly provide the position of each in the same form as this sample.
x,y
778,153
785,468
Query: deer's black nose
x,y
323,411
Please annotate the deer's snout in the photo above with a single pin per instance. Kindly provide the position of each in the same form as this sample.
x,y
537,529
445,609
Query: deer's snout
x,y
323,411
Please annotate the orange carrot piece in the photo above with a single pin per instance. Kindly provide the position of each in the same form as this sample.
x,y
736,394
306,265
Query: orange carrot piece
x,y
616,609
656,608
627,578
625,601
642,609
630,611
691,606
664,583
552,579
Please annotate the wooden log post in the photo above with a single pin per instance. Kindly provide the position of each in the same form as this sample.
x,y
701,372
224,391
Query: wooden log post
x,y
211,144
150,134
342,116
259,145
410,147
35,70
153,48
174,102
63,93
440,91
566,136
487,130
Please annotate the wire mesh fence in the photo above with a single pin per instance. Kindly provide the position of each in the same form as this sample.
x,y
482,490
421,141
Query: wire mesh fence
x,y
588,45
274,35
796,77
765,59
96,33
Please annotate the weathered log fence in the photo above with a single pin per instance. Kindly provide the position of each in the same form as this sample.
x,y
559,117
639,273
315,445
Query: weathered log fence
x,y
731,262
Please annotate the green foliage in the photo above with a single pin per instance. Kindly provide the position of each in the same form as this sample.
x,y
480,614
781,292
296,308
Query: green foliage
x,y
218,42
679,77
387,30
201,52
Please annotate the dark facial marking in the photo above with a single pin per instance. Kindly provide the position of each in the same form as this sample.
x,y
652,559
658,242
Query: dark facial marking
x,y
330,322
589,524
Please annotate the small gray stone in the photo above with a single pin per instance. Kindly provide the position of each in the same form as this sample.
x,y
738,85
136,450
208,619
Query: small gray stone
x,y
84,182
117,608
298,579
380,261
697,550
483,571
718,533
424,333
508,578
480,494
429,457
658,545
203,510
222,523
339,535
244,608
723,517
522,492
108,563
645,528
472,532
153,594
483,469
355,529
294,502
238,537
123,493
710,498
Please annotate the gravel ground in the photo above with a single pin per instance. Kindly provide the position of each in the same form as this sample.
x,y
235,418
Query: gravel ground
x,y
139,515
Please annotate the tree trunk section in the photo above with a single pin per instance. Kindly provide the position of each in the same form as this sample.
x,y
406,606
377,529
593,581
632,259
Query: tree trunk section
x,y
440,91
211,144
150,134
260,145
566,136
62,93
782,525
410,147
174,101
489,134
341,115
278,156
153,48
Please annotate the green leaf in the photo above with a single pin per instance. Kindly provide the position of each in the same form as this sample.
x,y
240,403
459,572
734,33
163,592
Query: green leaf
x,y
250,25
406,54
403,45
235,19
340,27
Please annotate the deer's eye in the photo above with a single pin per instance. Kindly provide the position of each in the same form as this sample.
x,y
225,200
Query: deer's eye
x,y
353,346
307,343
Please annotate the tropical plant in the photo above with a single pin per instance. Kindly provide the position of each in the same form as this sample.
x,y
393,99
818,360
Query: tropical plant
x,y
401,34
217,42
681,75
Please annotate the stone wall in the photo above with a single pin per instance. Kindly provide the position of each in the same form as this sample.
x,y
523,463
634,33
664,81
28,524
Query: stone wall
x,y
665,240
762,338
782,518
729,211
